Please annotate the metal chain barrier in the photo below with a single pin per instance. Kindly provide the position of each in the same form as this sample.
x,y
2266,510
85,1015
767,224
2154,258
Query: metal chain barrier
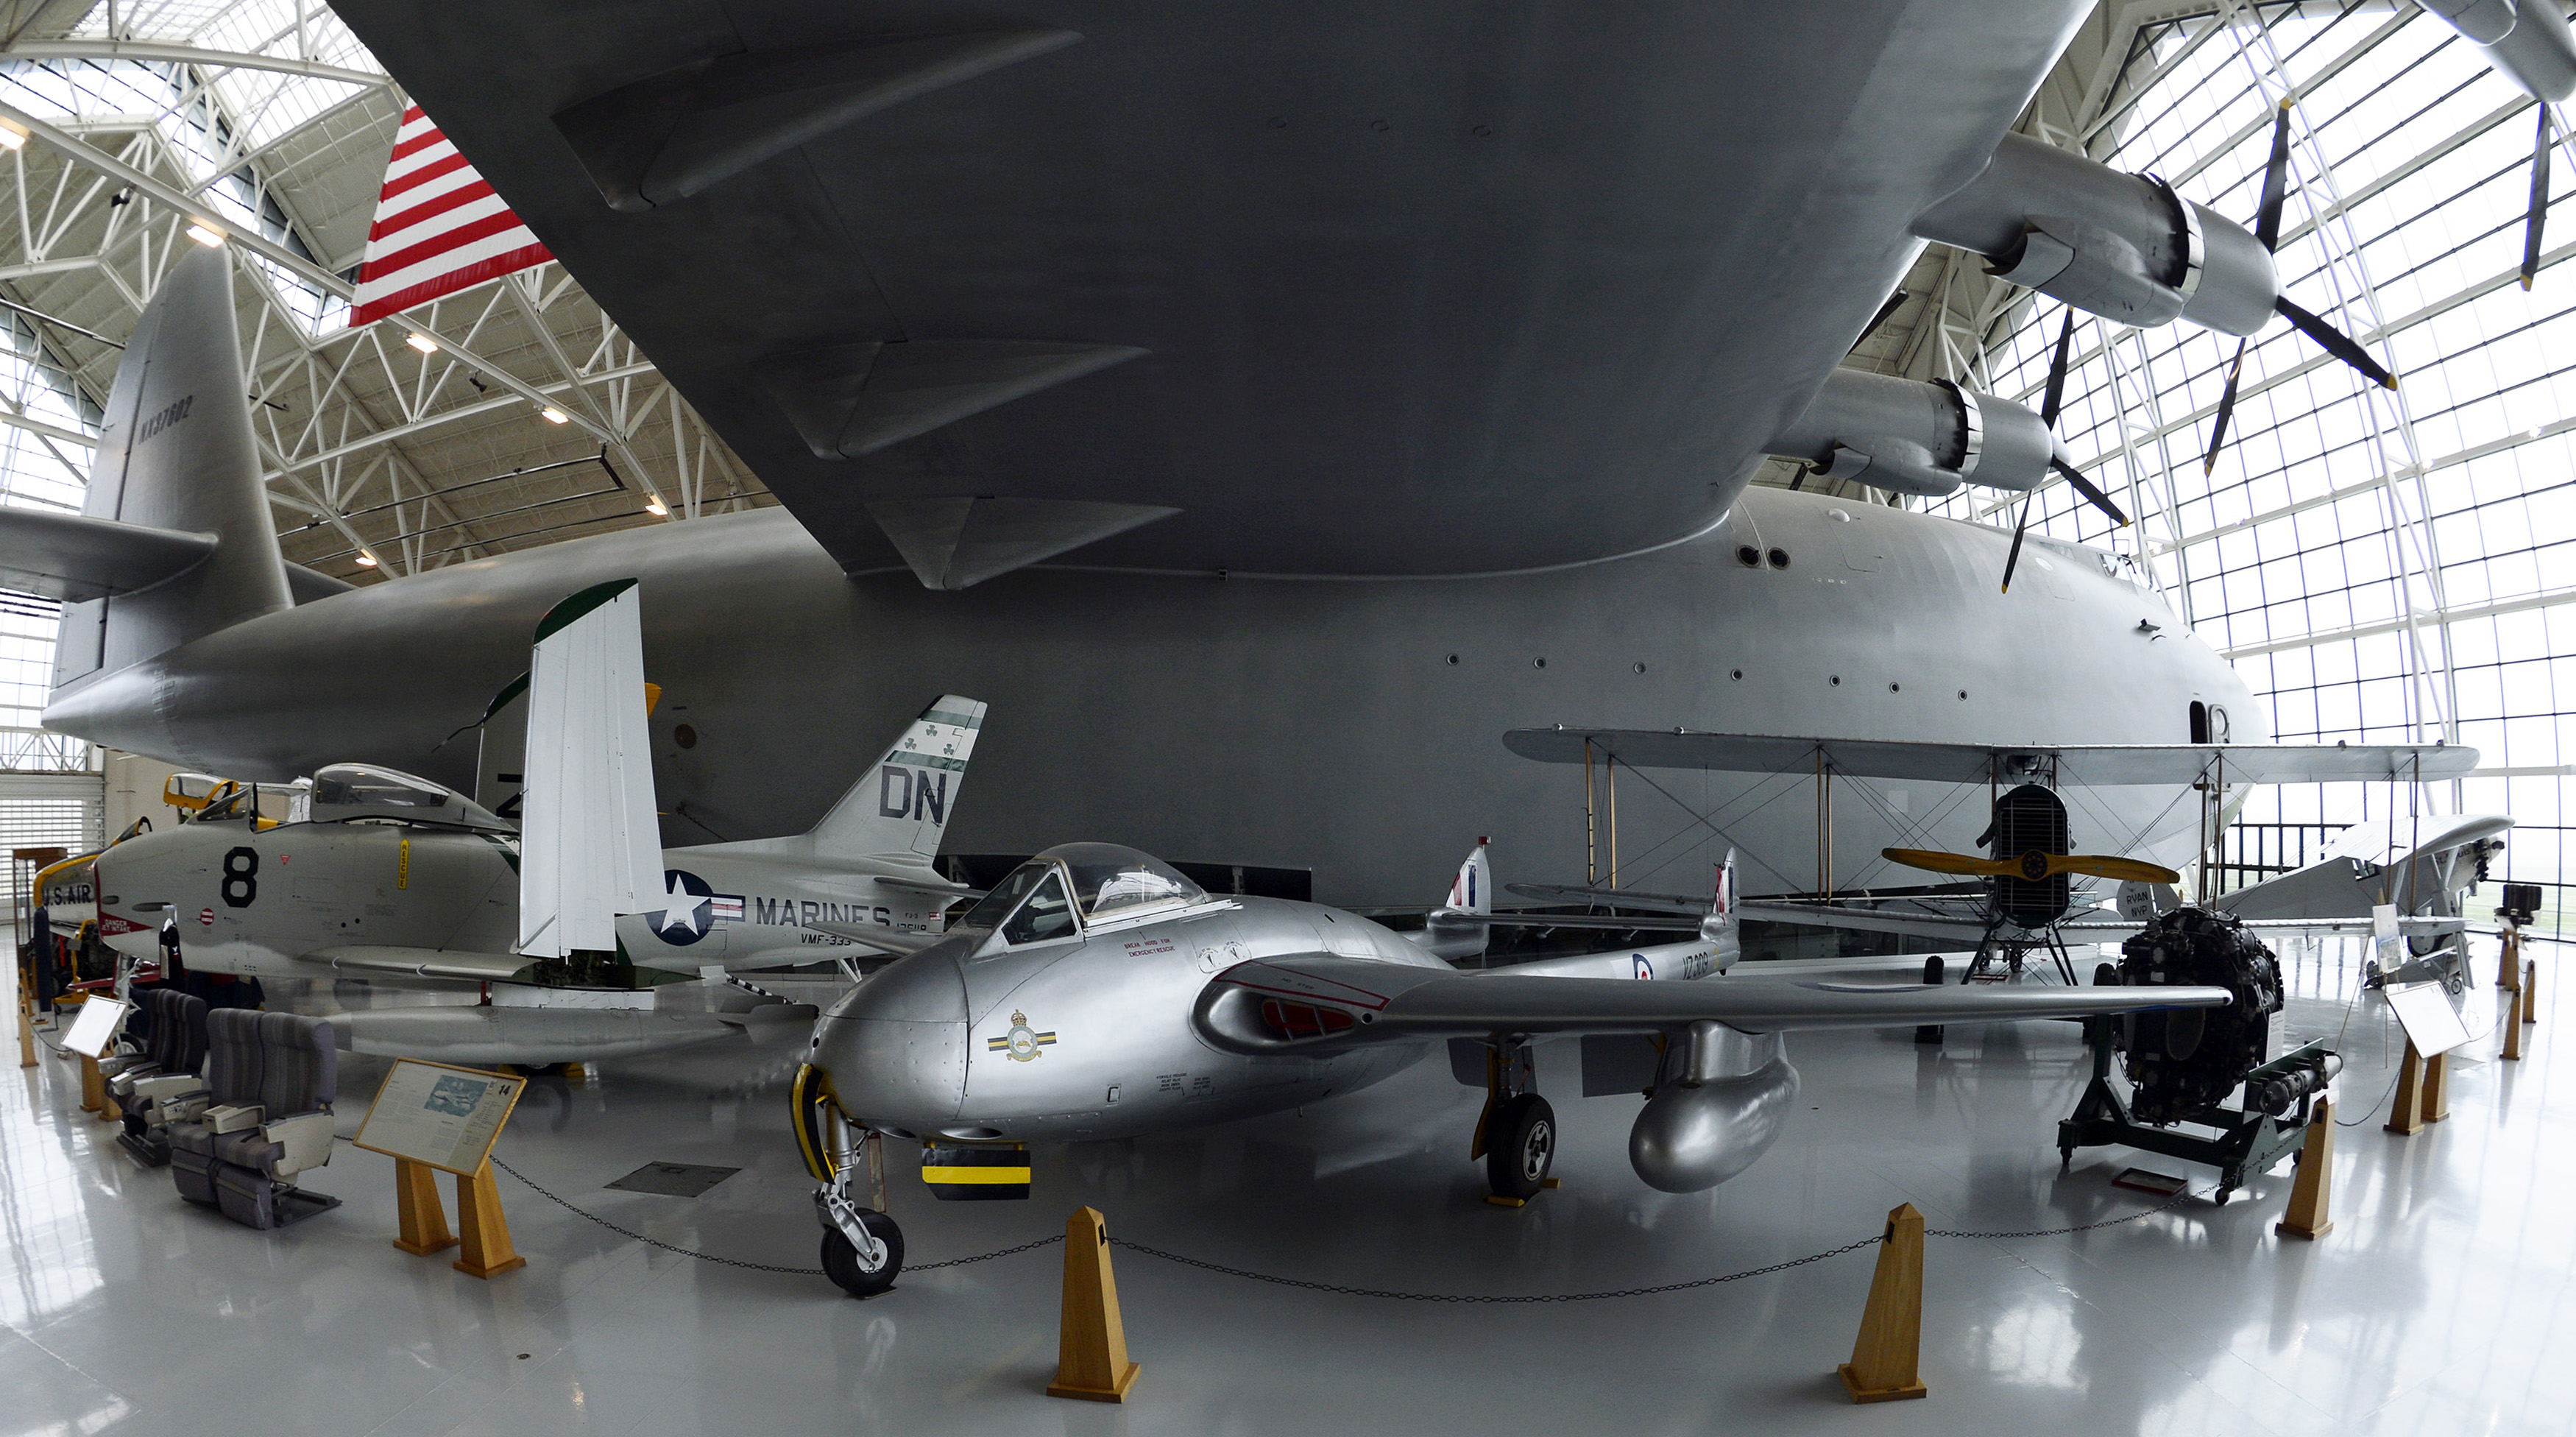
x,y
1341,1290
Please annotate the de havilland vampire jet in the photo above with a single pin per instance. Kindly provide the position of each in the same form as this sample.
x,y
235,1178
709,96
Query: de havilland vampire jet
x,y
1345,387
1098,993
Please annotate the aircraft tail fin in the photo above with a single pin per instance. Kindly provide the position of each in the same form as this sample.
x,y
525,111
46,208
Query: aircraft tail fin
x,y
1473,890
175,541
899,810
1456,929
1723,927
590,845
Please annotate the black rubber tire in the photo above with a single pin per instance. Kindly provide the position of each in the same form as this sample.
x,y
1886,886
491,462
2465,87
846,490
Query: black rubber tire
x,y
1520,1147
841,1258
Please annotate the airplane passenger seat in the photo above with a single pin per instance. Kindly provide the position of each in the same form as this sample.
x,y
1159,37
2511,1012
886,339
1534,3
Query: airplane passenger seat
x,y
271,1079
160,1084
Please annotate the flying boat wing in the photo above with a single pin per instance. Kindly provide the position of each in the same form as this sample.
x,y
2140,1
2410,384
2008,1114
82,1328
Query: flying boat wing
x,y
2076,765
1270,1005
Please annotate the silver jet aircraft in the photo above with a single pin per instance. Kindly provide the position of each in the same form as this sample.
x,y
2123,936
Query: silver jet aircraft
x,y
1099,993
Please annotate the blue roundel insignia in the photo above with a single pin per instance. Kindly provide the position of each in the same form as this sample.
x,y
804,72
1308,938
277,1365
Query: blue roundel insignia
x,y
688,911
1644,969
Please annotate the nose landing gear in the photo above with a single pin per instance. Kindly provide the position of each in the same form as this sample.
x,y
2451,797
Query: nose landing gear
x,y
862,1248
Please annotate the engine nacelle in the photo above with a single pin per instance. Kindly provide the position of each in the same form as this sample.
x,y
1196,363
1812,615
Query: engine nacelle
x,y
2122,246
2527,43
1917,438
1724,1110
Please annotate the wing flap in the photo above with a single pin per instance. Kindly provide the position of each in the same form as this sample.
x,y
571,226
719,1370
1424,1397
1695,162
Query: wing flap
x,y
390,961
1274,1004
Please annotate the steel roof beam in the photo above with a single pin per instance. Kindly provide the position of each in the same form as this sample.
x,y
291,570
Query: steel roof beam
x,y
160,52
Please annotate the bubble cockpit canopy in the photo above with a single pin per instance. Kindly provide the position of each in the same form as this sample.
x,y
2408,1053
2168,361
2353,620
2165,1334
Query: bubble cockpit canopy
x,y
1110,882
345,791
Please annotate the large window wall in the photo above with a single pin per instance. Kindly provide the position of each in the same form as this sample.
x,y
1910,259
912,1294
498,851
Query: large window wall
x,y
2379,566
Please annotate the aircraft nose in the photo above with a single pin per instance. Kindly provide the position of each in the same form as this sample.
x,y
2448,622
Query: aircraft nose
x,y
895,1047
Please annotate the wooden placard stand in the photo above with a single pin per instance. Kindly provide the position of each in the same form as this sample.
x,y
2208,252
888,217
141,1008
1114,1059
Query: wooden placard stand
x,y
1888,1352
1091,1352
26,1033
93,1087
484,1233
2312,1190
2423,1092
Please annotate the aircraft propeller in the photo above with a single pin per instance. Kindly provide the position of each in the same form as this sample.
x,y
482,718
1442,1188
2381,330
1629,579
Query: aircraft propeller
x,y
2048,420
2539,212
2036,866
2267,232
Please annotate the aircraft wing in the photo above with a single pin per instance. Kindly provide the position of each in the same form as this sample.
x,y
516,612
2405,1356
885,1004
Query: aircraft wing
x,y
1334,1002
385,960
1940,927
884,940
2077,765
970,286
949,892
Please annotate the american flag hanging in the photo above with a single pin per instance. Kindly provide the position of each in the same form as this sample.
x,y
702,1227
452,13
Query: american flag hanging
x,y
439,228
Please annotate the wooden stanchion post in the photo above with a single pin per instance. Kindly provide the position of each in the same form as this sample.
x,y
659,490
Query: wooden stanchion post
x,y
93,1086
2531,990
2509,963
2437,1087
2512,1030
424,1219
26,1033
1091,1353
2406,1115
486,1237
1890,1347
2312,1191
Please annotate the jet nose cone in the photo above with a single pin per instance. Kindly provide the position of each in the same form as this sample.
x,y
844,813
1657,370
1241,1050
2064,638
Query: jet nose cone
x,y
895,1047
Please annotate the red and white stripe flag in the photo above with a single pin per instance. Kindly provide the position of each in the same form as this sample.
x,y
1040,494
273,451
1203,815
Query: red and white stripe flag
x,y
439,228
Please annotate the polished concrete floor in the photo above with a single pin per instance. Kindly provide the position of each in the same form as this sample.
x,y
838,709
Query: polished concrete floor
x,y
2440,1304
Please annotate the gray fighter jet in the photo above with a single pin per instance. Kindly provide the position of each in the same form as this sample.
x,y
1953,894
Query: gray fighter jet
x,y
1098,993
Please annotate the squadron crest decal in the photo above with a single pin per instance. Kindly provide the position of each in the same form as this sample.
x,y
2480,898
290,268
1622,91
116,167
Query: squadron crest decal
x,y
1022,1042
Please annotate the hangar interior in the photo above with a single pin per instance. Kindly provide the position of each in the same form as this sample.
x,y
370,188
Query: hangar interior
x,y
2376,565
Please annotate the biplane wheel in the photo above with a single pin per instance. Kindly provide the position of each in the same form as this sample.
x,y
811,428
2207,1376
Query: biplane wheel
x,y
842,1264
1520,1146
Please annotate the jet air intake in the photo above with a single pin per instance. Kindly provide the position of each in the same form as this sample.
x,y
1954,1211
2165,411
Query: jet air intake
x,y
1918,438
2121,246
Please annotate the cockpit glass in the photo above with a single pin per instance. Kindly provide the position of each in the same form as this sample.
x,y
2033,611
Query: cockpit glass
x,y
1045,915
235,805
352,785
1111,881
995,906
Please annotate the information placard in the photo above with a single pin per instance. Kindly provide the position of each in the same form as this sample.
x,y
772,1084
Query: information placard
x,y
95,1028
2424,1010
439,1116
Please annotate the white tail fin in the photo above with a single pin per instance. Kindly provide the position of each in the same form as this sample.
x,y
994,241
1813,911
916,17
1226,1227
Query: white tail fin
x,y
1451,930
1721,927
898,811
1473,891
590,844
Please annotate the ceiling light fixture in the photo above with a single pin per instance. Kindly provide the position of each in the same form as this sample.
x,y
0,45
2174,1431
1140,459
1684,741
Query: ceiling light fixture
x,y
655,507
11,137
554,415
366,560
422,342
206,235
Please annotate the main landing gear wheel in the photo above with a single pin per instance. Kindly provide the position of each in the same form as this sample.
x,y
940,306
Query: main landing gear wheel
x,y
1520,1146
842,1264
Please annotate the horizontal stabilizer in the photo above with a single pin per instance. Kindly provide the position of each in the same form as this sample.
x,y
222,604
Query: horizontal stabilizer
x,y
2077,765
306,585
884,940
1357,1001
958,542
75,558
850,400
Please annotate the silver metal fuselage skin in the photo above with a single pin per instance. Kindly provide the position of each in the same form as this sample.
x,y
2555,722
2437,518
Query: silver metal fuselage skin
x,y
1090,1036
1351,728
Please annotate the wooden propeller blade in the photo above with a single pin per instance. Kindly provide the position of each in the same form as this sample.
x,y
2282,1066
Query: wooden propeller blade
x,y
2084,486
2013,559
2276,184
1939,862
2126,870
2048,407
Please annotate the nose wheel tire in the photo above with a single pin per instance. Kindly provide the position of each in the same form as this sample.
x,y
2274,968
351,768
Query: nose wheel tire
x,y
851,1274
1520,1147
